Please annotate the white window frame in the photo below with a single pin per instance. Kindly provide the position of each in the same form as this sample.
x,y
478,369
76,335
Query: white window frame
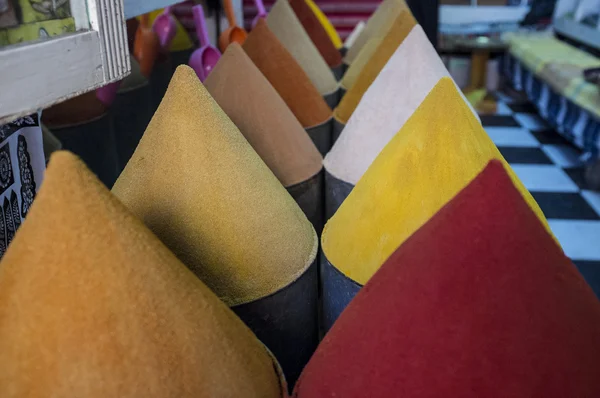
x,y
133,8
578,32
586,7
38,74
473,13
570,26
564,7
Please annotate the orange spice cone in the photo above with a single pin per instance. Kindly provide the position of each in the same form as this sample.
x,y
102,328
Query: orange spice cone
x,y
94,306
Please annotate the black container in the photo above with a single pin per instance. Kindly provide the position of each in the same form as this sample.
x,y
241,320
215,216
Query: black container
x,y
94,142
336,191
310,198
159,81
50,142
180,58
287,322
337,291
131,114
337,129
321,136
338,72
333,99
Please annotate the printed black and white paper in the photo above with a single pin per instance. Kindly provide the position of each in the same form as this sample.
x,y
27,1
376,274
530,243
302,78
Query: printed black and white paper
x,y
22,166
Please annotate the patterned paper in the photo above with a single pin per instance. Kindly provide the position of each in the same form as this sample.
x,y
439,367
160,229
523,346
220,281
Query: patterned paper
x,y
22,166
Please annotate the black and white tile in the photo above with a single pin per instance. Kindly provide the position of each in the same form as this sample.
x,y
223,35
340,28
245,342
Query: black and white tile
x,y
551,168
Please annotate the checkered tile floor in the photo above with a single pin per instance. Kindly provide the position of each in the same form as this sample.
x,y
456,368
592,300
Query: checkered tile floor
x,y
550,168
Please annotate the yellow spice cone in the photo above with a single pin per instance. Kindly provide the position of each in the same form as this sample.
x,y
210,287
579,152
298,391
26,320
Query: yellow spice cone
x,y
202,189
329,28
401,86
358,82
93,305
378,25
439,150
359,63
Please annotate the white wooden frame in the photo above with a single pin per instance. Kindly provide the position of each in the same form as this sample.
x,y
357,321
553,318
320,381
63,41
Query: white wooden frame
x,y
38,74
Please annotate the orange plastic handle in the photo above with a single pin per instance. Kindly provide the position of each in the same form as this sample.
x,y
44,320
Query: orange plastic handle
x,y
229,12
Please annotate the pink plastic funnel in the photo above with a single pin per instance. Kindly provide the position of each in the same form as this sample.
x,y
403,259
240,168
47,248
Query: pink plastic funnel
x,y
107,94
262,13
204,59
165,28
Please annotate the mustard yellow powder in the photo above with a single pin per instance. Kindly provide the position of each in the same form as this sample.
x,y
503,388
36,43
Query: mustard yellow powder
x,y
385,48
378,25
439,150
200,187
359,63
92,305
